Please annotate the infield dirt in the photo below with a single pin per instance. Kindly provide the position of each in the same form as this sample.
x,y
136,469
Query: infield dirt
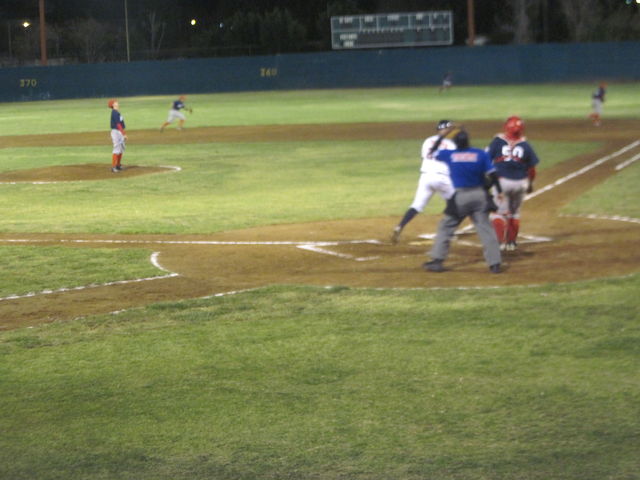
x,y
354,253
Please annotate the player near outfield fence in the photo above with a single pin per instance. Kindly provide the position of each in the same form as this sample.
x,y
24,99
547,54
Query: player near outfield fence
x,y
434,176
118,135
515,162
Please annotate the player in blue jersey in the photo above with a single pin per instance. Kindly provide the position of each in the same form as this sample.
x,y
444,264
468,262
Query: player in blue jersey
x,y
470,169
515,162
118,135
597,101
176,114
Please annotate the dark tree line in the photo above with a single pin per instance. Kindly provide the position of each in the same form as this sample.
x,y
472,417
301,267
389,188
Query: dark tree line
x,y
95,30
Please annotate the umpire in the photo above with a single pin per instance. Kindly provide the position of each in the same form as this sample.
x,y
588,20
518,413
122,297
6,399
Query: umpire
x,y
471,169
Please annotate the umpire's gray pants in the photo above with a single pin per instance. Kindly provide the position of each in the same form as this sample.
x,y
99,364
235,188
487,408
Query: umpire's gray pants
x,y
470,202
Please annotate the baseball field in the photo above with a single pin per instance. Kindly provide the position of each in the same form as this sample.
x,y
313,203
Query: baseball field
x,y
229,306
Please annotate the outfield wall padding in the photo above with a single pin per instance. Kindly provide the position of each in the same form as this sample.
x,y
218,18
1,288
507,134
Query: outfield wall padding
x,y
511,64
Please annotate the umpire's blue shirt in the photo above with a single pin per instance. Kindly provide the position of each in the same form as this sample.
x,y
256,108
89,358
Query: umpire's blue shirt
x,y
468,167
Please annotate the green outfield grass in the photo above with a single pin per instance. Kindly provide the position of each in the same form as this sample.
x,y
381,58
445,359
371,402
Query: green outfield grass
x,y
295,382
325,106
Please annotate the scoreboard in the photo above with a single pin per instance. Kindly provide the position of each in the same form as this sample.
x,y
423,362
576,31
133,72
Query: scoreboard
x,y
392,30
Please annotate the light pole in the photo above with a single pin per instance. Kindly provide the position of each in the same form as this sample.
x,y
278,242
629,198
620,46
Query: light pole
x,y
126,29
43,35
471,24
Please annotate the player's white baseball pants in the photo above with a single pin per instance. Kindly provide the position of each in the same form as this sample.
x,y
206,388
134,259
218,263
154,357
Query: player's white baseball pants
x,y
118,141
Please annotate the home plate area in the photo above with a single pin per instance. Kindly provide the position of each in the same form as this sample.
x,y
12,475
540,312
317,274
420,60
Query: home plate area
x,y
370,250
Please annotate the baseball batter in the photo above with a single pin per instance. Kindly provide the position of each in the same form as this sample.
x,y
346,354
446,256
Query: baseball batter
x,y
175,113
434,176
118,136
469,168
515,162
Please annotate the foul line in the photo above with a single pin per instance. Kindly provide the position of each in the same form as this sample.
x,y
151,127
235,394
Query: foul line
x,y
617,218
153,259
577,173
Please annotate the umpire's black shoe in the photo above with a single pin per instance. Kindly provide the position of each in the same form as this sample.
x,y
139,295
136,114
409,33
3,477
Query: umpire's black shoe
x,y
495,268
434,266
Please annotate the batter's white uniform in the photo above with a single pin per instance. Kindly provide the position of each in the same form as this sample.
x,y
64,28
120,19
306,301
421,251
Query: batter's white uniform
x,y
434,175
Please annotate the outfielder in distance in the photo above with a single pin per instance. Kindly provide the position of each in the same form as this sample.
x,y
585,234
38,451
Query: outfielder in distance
x,y
434,176
597,102
515,162
176,114
118,135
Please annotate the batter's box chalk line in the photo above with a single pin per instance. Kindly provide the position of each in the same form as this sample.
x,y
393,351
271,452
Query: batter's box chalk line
x,y
317,248
522,238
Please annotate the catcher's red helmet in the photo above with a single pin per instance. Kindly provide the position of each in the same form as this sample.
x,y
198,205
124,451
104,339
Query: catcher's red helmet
x,y
514,127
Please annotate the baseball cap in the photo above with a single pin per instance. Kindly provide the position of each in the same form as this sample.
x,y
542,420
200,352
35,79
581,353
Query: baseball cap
x,y
442,124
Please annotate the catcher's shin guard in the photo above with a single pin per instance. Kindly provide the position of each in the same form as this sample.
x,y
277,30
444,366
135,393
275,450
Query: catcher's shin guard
x,y
513,228
500,226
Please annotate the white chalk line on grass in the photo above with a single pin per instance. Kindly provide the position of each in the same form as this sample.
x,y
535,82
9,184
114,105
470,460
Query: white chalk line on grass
x,y
617,218
585,169
154,261
312,246
626,163
579,172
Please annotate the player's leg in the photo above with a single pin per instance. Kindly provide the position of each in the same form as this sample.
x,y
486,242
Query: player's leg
x,y
420,200
515,198
170,119
181,118
499,217
487,234
115,139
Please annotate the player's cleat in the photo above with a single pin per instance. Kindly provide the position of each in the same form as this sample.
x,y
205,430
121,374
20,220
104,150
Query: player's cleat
x,y
434,266
495,268
511,246
115,169
503,247
395,236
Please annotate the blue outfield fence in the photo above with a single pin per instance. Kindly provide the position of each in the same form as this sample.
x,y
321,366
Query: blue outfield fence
x,y
540,63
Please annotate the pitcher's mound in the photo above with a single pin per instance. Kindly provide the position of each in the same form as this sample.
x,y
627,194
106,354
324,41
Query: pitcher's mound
x,y
71,173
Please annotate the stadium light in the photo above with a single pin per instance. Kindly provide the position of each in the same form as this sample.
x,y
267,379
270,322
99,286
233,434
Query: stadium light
x,y
26,24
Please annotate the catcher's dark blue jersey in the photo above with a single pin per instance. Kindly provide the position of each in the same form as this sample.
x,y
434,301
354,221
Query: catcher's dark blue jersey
x,y
512,159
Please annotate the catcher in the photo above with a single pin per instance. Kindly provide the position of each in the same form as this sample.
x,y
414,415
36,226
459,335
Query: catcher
x,y
176,114
515,162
